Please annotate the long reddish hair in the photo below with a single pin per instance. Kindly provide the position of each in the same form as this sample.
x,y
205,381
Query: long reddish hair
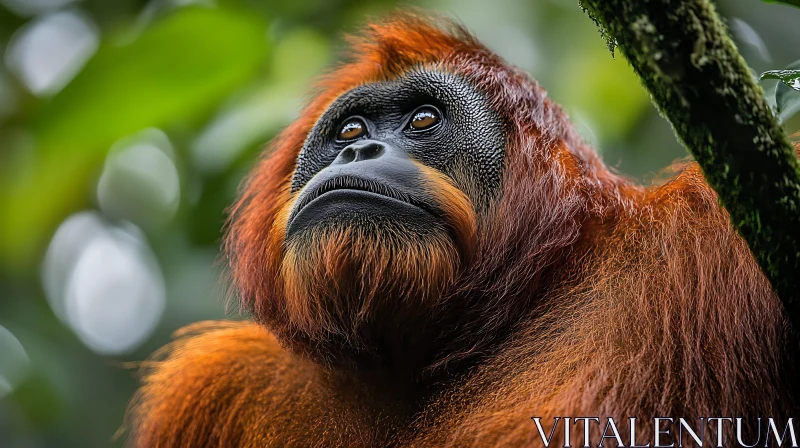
x,y
577,293
545,194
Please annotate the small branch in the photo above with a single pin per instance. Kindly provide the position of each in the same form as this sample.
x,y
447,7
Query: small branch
x,y
682,52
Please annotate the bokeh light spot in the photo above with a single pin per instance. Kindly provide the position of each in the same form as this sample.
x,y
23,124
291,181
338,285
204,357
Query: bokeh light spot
x,y
13,362
140,182
50,51
33,7
748,38
103,280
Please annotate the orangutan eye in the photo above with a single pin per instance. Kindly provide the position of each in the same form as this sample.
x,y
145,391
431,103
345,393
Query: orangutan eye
x,y
352,129
425,117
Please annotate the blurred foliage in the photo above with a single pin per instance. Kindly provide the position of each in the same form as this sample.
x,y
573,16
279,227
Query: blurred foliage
x,y
181,95
172,72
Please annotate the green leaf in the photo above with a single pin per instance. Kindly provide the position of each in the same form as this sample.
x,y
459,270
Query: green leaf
x,y
795,3
788,101
787,92
789,77
177,70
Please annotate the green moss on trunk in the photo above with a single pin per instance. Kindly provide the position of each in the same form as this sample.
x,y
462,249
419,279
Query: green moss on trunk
x,y
682,52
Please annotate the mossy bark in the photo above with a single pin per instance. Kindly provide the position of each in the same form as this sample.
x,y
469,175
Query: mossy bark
x,y
698,80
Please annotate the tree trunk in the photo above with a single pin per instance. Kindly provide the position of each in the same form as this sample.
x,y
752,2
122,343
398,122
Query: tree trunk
x,y
698,80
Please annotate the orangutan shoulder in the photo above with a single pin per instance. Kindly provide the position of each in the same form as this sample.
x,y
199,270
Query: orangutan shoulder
x,y
243,352
213,381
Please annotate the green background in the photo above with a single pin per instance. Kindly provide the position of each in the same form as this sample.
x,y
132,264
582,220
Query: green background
x,y
141,141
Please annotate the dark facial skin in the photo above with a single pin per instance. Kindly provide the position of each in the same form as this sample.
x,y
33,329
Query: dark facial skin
x,y
356,163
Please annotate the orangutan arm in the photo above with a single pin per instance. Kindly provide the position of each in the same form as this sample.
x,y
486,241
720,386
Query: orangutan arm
x,y
231,384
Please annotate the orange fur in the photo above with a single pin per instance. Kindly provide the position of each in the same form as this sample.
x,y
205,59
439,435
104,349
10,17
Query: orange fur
x,y
219,381
671,318
577,294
